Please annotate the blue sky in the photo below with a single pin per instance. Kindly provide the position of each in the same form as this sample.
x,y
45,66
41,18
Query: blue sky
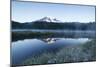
x,y
31,11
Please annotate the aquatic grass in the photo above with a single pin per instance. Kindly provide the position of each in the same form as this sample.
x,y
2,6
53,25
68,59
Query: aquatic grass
x,y
43,59
85,52
80,53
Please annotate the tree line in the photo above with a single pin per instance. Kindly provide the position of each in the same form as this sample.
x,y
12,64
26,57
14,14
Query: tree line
x,y
49,25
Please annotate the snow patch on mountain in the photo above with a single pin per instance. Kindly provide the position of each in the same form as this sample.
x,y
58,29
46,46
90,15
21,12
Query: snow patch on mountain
x,y
47,19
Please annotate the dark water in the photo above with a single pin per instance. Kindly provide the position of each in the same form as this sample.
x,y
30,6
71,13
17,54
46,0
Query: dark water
x,y
24,49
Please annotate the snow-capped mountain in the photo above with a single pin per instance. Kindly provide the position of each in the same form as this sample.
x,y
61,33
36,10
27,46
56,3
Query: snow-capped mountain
x,y
47,19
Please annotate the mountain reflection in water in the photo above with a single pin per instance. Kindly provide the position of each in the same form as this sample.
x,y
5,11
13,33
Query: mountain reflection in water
x,y
53,40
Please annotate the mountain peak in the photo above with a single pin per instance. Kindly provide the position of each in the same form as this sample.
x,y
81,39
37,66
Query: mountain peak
x,y
48,19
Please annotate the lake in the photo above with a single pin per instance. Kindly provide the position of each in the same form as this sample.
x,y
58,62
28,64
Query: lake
x,y
23,49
